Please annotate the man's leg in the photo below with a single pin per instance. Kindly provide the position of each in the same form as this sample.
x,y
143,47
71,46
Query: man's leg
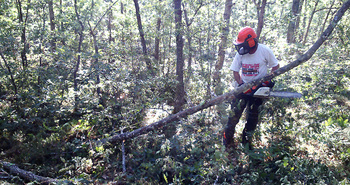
x,y
237,107
252,120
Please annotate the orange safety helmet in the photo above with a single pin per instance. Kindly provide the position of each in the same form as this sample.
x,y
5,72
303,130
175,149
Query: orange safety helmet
x,y
246,40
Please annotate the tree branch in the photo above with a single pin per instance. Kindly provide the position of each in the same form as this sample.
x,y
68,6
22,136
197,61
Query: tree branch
x,y
233,94
10,72
195,13
98,22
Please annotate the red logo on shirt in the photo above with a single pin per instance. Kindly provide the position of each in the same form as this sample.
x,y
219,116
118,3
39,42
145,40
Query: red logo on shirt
x,y
250,69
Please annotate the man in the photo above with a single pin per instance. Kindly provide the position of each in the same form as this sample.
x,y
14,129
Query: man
x,y
253,60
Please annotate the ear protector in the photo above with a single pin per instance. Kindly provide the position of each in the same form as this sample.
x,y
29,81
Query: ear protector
x,y
250,40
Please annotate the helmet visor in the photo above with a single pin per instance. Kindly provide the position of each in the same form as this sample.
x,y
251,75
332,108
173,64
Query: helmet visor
x,y
242,48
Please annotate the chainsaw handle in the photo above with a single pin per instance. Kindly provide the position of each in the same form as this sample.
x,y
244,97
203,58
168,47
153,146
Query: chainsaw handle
x,y
252,90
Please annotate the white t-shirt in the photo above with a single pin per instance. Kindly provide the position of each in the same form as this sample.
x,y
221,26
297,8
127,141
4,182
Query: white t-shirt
x,y
254,66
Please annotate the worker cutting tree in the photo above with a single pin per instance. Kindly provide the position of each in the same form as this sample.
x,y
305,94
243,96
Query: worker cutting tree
x,y
251,62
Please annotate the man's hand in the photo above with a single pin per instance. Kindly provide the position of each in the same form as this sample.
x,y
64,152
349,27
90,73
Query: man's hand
x,y
237,77
269,83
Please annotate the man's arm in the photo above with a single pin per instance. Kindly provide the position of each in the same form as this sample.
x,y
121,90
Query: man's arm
x,y
237,77
275,68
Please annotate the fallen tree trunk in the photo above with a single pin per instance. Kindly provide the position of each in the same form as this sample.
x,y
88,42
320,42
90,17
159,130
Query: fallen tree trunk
x,y
231,95
29,176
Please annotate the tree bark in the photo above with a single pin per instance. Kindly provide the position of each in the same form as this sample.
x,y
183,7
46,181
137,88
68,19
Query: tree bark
x,y
326,19
189,45
261,12
142,36
23,23
29,176
139,24
61,25
52,25
231,95
170,130
96,56
297,24
81,38
218,86
292,26
222,47
110,37
96,64
157,39
180,91
42,51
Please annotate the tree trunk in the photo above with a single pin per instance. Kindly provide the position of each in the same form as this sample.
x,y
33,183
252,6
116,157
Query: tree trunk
x,y
326,19
61,27
109,27
23,24
310,20
261,13
142,36
209,58
218,86
180,93
231,95
170,130
42,52
122,39
303,23
222,47
297,24
96,65
81,38
157,39
292,26
110,37
189,45
52,25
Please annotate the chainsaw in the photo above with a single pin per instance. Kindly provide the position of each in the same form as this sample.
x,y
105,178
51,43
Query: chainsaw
x,y
264,91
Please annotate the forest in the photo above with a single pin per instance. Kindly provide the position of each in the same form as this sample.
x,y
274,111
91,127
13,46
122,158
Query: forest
x,y
139,92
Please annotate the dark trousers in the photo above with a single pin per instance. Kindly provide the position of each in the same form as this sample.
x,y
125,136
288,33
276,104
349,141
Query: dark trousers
x,y
237,106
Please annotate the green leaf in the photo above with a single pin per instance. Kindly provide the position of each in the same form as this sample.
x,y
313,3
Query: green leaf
x,y
166,179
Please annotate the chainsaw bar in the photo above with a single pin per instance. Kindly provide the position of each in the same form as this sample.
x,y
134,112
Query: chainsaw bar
x,y
283,94
265,92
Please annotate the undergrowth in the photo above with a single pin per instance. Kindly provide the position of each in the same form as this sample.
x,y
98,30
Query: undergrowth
x,y
299,141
